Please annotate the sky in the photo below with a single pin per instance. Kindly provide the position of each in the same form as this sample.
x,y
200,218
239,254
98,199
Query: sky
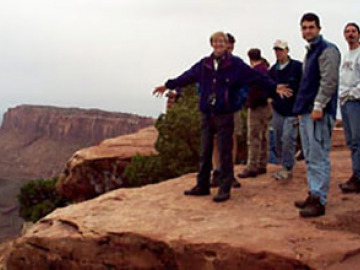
x,y
110,54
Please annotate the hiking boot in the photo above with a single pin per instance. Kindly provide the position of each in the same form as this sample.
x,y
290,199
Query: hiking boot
x,y
314,208
215,179
261,171
221,196
351,186
247,173
282,175
303,203
197,191
235,183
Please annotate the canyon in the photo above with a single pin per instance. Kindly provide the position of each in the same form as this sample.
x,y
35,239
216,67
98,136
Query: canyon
x,y
37,141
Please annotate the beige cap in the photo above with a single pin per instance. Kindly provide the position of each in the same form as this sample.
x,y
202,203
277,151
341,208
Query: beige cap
x,y
281,44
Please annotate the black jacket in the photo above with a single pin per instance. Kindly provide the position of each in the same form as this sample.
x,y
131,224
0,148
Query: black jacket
x,y
290,75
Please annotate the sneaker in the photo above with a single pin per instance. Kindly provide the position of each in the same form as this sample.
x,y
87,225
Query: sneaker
x,y
247,173
197,191
314,208
303,203
283,175
221,196
351,186
261,171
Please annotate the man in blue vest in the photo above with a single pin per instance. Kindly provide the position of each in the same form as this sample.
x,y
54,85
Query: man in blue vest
x,y
316,106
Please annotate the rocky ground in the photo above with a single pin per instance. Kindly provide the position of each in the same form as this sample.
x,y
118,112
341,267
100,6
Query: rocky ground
x,y
157,227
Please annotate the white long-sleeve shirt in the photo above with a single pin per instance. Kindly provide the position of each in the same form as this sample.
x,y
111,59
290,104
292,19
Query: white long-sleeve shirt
x,y
350,76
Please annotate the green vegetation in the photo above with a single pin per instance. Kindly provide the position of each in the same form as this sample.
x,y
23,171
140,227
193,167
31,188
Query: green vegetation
x,y
178,144
38,198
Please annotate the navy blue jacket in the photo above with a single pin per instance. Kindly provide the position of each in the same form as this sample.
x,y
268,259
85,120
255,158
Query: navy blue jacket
x,y
290,75
310,82
227,84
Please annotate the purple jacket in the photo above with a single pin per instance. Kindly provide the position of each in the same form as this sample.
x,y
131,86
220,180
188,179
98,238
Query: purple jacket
x,y
221,90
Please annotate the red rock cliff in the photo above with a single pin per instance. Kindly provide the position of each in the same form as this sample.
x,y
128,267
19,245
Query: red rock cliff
x,y
90,126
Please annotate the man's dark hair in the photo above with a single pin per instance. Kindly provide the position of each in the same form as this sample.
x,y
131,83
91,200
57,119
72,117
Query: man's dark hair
x,y
254,54
310,17
352,24
231,38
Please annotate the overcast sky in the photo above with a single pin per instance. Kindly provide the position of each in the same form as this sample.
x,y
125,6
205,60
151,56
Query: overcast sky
x,y
110,54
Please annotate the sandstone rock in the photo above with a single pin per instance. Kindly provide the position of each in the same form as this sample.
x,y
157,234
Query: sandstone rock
x,y
157,227
98,169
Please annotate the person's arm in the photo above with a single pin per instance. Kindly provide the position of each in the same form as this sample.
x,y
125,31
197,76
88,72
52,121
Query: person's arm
x,y
284,90
188,77
295,76
273,76
249,76
329,62
355,88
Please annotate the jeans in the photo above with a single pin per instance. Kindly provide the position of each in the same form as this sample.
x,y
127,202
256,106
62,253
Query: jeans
x,y
285,133
350,112
316,143
272,149
223,126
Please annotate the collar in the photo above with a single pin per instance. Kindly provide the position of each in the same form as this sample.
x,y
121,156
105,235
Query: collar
x,y
314,43
280,66
223,60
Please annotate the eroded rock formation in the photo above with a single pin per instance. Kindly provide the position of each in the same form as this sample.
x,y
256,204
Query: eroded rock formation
x,y
98,169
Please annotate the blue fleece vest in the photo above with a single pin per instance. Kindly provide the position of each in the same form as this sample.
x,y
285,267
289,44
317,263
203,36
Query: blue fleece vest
x,y
310,82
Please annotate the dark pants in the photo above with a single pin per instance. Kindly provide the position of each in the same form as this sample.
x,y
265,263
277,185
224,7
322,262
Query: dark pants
x,y
223,126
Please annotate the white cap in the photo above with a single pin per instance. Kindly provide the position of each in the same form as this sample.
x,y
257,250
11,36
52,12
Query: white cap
x,y
281,44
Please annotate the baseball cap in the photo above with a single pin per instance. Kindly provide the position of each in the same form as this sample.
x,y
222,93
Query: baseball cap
x,y
281,44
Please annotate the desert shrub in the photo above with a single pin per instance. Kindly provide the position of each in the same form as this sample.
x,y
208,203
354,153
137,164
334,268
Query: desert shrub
x,y
38,198
142,170
178,144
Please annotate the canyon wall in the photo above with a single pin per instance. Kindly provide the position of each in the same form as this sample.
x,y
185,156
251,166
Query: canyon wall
x,y
89,126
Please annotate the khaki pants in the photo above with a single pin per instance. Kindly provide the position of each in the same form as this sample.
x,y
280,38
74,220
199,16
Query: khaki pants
x,y
258,136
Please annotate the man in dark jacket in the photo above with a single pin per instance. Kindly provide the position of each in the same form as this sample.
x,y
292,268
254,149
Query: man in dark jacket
x,y
316,105
288,72
220,78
